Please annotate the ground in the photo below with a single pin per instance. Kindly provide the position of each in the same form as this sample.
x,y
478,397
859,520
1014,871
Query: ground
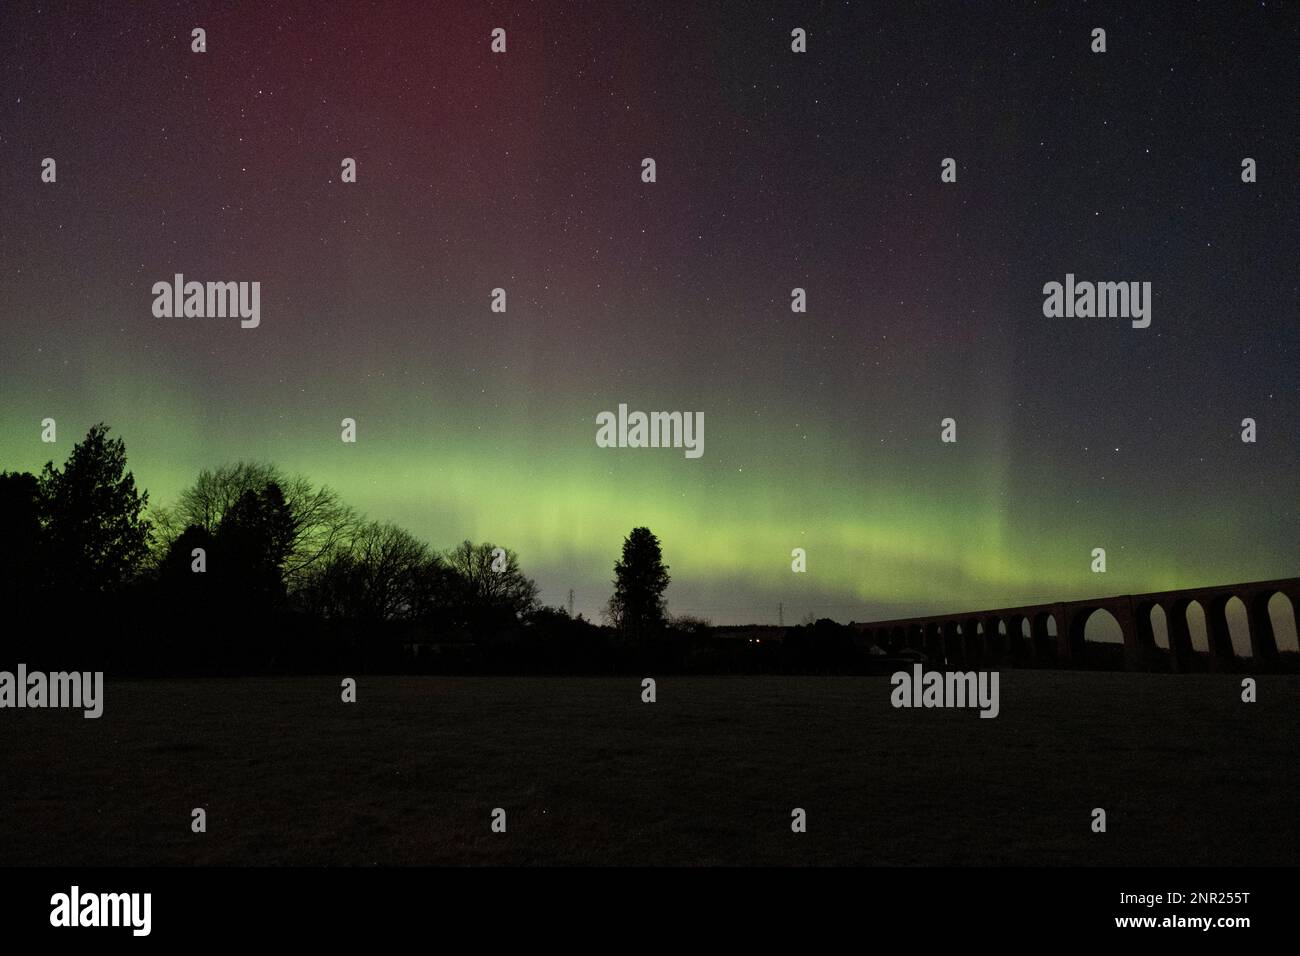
x,y
709,774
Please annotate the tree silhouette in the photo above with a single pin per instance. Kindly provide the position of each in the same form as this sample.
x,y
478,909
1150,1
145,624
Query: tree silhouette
x,y
489,588
640,579
254,540
177,569
189,609
383,574
92,516
318,521
22,558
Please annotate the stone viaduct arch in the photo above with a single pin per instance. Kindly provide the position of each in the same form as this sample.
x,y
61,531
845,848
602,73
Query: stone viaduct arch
x,y
1052,635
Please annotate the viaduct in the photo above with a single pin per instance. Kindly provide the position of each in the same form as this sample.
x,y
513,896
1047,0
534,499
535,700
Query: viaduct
x,y
1052,635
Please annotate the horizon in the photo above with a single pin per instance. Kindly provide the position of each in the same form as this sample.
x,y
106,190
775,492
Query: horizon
x,y
1103,628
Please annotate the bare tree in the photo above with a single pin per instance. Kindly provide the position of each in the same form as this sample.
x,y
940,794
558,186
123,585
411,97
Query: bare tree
x,y
382,574
320,523
490,578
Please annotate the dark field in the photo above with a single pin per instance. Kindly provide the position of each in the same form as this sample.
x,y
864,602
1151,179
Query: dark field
x,y
588,774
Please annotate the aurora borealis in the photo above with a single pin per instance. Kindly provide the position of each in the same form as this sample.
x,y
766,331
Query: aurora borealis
x,y
775,170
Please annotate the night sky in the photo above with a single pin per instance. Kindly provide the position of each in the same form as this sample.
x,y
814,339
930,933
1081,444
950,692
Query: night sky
x,y
775,170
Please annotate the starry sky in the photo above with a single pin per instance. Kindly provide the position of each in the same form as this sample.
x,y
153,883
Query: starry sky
x,y
775,170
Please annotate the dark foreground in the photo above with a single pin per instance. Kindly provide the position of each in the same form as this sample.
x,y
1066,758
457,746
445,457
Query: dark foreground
x,y
588,774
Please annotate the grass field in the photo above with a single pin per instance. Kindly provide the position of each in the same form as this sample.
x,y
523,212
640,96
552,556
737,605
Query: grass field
x,y
707,775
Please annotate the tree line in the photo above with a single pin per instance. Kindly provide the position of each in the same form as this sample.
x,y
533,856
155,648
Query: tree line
x,y
252,570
